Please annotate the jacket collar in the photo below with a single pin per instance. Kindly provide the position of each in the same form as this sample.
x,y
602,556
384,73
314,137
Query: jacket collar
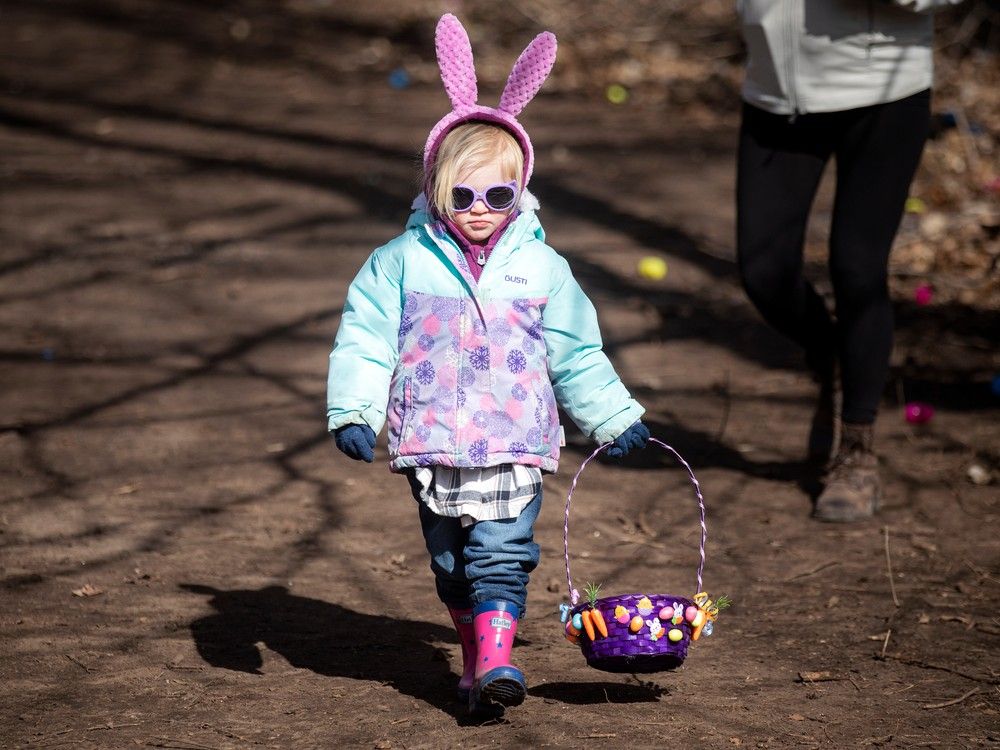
x,y
526,226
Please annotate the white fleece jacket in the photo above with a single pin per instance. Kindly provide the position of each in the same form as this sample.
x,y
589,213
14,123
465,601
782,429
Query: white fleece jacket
x,y
830,55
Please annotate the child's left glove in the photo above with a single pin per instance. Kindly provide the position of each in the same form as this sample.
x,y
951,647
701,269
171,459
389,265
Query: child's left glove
x,y
356,440
634,437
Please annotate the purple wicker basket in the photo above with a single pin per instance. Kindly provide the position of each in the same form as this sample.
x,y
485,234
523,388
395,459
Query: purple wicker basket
x,y
652,647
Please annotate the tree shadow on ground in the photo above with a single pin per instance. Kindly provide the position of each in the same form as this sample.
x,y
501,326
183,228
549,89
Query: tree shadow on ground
x,y
591,693
328,639
702,450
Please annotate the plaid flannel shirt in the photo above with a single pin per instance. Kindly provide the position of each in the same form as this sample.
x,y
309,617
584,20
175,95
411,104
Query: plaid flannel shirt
x,y
478,494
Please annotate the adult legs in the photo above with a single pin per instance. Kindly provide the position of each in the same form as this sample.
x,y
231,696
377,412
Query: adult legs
x,y
779,166
876,159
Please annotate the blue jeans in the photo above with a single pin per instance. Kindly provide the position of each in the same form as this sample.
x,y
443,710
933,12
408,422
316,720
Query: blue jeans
x,y
486,561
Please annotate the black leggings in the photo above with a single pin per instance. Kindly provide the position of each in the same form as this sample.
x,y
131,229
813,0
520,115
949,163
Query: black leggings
x,y
780,163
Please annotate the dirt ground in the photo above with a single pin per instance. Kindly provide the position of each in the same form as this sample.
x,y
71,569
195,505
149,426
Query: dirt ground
x,y
180,221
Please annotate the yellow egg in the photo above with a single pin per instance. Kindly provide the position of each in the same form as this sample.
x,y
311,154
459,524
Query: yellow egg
x,y
636,625
616,93
675,634
652,267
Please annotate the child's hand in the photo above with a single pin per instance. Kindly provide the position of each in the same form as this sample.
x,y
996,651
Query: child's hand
x,y
634,437
357,441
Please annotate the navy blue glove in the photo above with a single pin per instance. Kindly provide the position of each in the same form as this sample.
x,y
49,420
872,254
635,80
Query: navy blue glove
x,y
356,440
634,437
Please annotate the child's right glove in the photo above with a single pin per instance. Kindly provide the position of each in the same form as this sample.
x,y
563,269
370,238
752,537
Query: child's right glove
x,y
634,437
356,440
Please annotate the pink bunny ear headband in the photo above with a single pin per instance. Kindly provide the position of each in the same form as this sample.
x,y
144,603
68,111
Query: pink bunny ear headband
x,y
454,54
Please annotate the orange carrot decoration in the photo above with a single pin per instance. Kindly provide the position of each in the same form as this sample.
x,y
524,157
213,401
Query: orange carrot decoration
x,y
596,618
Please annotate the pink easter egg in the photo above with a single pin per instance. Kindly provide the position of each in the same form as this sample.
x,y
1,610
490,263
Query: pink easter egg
x,y
923,294
690,613
918,413
666,613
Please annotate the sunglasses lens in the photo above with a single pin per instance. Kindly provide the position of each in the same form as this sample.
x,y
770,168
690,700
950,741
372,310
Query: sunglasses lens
x,y
500,197
462,198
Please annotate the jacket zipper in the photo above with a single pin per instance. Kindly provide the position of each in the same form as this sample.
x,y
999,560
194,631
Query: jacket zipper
x,y
407,409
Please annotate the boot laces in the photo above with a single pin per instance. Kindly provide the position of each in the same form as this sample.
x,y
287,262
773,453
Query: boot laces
x,y
850,468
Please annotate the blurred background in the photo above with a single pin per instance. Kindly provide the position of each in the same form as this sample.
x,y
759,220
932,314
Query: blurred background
x,y
187,188
309,60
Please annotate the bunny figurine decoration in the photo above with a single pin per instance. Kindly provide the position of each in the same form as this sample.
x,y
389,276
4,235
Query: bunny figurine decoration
x,y
454,55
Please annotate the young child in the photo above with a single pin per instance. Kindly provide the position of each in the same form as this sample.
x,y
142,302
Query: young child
x,y
464,333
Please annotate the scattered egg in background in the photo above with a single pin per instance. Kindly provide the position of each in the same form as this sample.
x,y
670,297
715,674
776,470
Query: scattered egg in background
x,y
652,267
616,93
917,412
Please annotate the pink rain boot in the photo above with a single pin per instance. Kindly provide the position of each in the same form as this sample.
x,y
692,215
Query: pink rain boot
x,y
497,683
467,637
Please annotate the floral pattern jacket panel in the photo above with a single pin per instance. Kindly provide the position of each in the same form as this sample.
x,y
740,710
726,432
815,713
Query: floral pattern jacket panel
x,y
470,374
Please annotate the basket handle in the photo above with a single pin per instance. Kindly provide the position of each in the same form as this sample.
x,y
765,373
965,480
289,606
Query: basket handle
x,y
574,595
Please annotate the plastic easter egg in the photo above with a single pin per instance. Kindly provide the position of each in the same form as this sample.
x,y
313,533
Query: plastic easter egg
x,y
919,413
709,627
923,294
636,625
915,205
675,634
573,639
578,622
690,613
616,93
652,267
699,619
666,613
570,630
399,78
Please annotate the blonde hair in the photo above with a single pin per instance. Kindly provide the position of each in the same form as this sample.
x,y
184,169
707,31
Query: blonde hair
x,y
465,149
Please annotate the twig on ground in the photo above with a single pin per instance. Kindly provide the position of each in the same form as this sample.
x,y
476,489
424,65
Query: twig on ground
x,y
885,643
814,571
111,726
888,565
79,663
980,572
942,668
635,540
953,701
819,677
178,744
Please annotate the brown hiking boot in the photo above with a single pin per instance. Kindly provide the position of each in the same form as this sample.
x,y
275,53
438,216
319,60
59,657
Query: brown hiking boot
x,y
853,491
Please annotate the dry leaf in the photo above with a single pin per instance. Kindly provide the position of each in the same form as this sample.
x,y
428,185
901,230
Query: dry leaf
x,y
87,590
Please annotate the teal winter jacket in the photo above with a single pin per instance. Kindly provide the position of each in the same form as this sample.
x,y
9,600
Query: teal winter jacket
x,y
469,373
